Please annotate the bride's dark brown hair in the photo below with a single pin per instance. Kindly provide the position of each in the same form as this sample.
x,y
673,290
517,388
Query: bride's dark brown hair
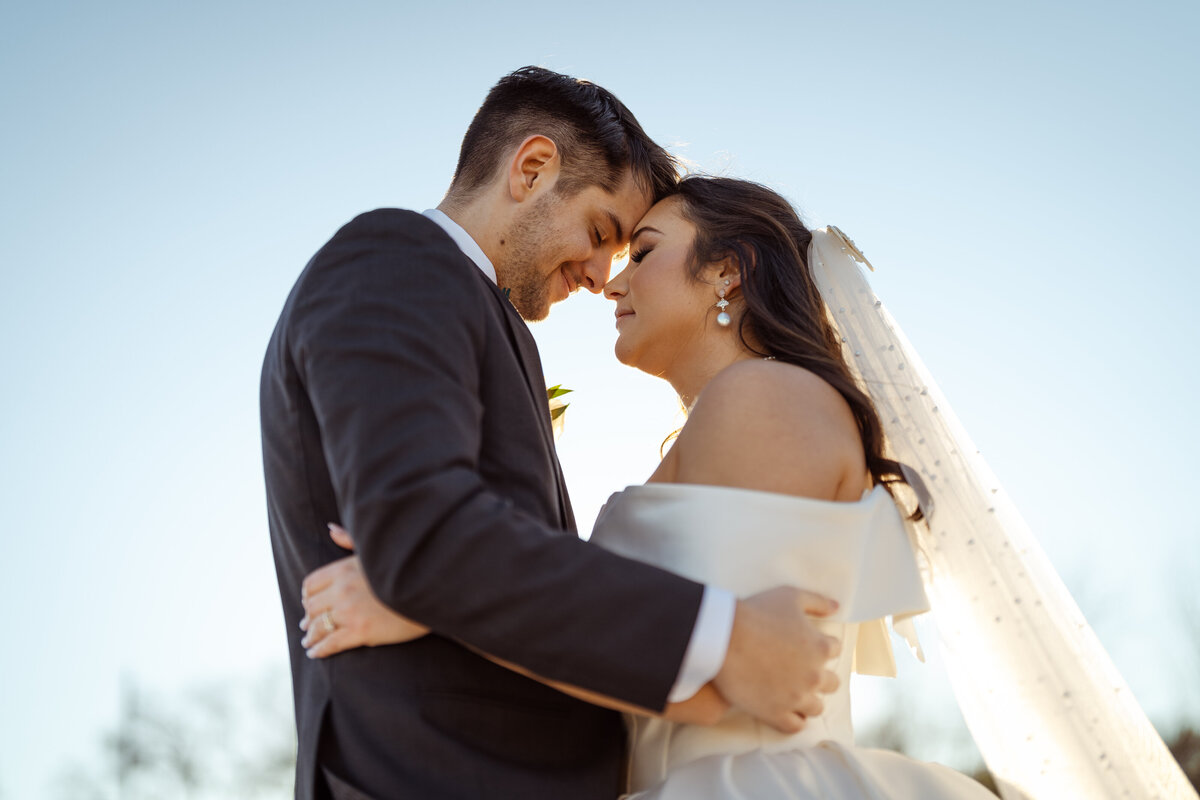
x,y
784,314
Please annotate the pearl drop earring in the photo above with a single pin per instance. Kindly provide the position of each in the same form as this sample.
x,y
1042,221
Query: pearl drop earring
x,y
723,318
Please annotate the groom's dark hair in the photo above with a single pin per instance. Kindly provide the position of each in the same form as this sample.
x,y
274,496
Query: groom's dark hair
x,y
598,138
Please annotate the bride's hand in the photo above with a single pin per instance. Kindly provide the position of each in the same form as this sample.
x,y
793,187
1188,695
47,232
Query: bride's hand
x,y
341,612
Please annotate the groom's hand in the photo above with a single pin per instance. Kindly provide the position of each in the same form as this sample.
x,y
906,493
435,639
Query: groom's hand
x,y
775,668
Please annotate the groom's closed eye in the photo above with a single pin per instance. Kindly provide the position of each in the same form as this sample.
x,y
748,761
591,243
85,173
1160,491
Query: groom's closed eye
x,y
617,228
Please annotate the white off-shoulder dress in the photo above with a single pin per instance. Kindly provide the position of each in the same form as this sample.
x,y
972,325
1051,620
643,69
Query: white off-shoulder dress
x,y
745,541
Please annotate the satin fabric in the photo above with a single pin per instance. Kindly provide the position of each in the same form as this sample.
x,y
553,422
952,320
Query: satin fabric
x,y
856,553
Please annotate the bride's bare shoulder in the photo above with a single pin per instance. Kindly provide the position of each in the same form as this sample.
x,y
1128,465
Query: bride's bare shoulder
x,y
773,427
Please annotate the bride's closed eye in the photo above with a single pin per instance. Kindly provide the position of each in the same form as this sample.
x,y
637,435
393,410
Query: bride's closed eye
x,y
637,255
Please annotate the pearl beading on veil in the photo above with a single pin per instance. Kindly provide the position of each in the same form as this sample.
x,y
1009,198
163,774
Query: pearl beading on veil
x,y
1051,715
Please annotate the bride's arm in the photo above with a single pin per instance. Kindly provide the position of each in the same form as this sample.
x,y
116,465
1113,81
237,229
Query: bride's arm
x,y
356,618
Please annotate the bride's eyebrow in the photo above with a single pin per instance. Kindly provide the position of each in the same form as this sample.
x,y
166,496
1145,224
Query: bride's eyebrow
x,y
640,231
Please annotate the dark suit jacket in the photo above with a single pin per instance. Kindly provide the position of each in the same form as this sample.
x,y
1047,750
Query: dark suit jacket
x,y
403,396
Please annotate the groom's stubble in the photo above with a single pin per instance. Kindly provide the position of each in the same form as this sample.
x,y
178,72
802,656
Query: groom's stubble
x,y
530,264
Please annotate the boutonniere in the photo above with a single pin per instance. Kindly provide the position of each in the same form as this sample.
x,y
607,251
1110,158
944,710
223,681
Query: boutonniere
x,y
558,408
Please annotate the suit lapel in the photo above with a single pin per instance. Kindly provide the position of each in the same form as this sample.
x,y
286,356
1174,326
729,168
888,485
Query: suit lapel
x,y
531,363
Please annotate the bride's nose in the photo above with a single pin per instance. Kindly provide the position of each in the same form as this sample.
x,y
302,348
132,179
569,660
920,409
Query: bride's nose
x,y
617,288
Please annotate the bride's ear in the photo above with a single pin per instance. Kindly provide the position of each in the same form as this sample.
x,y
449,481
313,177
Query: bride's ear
x,y
724,274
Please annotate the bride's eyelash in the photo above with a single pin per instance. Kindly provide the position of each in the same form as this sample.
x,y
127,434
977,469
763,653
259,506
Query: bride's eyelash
x,y
637,255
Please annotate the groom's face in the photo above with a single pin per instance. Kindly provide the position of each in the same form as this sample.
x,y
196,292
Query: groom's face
x,y
560,244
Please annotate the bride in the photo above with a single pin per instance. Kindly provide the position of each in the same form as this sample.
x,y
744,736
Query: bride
x,y
818,453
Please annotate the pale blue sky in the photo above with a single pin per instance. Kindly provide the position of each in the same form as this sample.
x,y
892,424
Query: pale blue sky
x,y
1022,175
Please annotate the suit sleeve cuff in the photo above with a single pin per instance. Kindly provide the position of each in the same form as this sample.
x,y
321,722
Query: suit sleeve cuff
x,y
706,650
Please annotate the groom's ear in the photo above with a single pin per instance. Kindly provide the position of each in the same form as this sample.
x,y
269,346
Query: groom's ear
x,y
533,168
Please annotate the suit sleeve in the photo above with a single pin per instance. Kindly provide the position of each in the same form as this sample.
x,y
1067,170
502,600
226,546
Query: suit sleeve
x,y
387,334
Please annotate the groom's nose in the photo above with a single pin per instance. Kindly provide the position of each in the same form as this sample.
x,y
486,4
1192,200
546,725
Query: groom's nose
x,y
595,272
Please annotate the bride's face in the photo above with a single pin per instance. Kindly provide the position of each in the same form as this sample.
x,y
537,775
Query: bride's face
x,y
662,311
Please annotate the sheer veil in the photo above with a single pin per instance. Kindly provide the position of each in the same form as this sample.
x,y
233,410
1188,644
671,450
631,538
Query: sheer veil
x,y
1047,708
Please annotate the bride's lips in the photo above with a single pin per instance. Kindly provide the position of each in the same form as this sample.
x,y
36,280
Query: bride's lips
x,y
623,313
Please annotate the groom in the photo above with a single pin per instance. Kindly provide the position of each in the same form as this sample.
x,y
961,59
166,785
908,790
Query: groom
x,y
402,395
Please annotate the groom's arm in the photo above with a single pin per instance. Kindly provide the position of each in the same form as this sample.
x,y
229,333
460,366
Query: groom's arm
x,y
340,589
704,707
387,334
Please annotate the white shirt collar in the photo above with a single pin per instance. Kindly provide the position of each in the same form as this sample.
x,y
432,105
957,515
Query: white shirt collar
x,y
464,241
